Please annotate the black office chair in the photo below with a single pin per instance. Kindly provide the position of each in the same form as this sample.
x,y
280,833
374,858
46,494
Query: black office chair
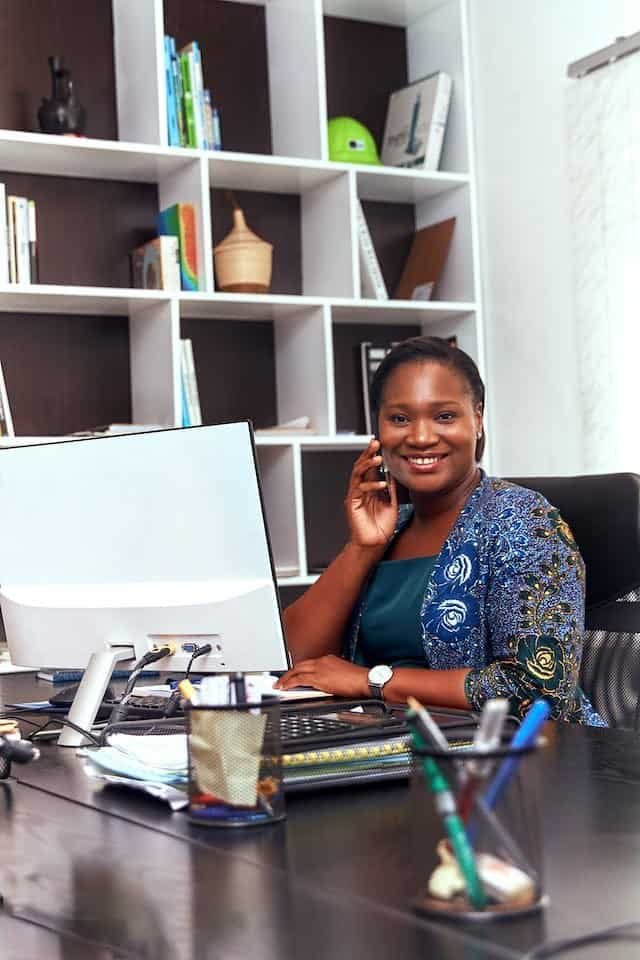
x,y
603,512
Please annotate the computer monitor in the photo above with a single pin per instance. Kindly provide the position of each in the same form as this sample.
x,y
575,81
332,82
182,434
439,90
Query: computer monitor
x,y
113,544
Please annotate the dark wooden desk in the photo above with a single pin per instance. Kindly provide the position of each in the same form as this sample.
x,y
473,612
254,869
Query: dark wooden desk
x,y
111,873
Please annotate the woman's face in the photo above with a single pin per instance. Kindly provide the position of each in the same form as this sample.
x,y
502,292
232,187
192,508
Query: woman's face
x,y
428,427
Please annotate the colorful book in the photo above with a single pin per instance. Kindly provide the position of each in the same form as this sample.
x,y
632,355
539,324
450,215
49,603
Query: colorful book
x,y
416,122
372,283
156,264
180,221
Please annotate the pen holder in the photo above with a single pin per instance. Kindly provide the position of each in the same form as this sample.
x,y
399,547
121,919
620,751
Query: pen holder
x,y
477,841
235,765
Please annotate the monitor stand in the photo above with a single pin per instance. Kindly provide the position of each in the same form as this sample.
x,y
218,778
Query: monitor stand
x,y
91,691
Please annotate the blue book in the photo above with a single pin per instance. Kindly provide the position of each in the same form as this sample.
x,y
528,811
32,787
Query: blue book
x,y
172,105
75,676
179,93
186,419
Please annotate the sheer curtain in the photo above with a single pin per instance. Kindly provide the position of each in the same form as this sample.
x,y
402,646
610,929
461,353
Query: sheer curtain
x,y
603,110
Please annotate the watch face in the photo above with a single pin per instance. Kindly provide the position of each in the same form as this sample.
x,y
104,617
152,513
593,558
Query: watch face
x,y
380,674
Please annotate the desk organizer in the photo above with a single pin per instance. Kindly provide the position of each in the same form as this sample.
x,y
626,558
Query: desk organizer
x,y
235,765
478,849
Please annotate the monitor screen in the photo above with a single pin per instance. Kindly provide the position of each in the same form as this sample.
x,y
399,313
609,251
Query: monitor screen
x,y
137,536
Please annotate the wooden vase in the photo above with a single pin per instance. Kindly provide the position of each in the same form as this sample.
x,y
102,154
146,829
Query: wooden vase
x,y
243,261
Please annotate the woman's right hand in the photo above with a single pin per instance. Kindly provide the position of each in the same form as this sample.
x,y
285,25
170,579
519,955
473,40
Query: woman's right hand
x,y
371,506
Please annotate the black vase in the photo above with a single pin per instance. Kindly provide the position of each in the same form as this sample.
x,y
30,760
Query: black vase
x,y
62,113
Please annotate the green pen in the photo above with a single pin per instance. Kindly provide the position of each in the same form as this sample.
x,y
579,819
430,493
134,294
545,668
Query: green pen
x,y
446,807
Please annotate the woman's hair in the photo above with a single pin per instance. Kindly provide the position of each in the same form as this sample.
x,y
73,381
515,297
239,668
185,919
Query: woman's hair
x,y
432,350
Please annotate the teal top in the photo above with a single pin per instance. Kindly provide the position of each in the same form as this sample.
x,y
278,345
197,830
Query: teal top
x,y
391,628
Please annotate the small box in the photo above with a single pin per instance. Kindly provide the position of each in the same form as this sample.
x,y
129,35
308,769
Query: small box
x,y
156,265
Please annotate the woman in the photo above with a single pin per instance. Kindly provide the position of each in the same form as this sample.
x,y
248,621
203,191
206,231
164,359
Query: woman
x,y
473,590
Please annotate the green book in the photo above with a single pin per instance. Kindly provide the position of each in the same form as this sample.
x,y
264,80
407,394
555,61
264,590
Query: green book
x,y
189,106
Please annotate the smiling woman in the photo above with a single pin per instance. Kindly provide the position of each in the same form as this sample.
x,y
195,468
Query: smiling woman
x,y
473,590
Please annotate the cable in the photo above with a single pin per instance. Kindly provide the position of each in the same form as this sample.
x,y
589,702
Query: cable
x,y
598,936
119,711
65,722
198,652
174,700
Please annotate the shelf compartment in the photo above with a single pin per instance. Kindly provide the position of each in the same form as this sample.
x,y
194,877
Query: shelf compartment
x,y
347,365
274,217
65,373
84,33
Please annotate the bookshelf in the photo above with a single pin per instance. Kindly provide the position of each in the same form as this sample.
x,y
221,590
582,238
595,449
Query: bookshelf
x,y
82,349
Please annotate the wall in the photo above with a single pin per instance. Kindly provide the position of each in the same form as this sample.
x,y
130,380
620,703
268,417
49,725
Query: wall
x,y
520,52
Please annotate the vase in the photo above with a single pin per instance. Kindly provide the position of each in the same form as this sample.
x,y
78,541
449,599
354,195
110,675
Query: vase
x,y
61,113
243,260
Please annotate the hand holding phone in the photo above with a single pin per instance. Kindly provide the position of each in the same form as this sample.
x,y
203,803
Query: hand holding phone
x,y
371,503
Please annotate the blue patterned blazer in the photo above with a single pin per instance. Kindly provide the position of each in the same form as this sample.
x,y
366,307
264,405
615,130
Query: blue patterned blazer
x,y
506,598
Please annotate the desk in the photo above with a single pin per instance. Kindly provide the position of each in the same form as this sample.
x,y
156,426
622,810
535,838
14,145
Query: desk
x,y
333,881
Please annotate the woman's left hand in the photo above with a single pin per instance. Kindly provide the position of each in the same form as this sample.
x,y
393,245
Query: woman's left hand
x,y
329,673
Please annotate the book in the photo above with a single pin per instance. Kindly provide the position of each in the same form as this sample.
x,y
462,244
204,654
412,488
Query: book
x,y
179,92
217,130
53,675
156,264
4,236
372,283
416,122
173,131
426,260
11,238
189,99
21,228
194,56
180,221
6,420
33,242
371,356
191,384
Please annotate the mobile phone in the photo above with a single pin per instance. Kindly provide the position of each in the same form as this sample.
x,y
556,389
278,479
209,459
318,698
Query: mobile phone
x,y
384,474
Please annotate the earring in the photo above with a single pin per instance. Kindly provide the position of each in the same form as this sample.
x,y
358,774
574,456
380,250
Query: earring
x,y
479,435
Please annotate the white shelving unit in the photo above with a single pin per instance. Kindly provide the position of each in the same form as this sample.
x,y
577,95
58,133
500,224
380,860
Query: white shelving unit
x,y
437,38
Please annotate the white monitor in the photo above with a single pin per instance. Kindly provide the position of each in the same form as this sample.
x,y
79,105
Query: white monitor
x,y
113,544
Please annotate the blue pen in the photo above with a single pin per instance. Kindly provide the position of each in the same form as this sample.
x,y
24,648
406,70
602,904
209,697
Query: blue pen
x,y
525,736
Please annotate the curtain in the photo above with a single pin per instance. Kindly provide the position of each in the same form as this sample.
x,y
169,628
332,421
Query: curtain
x,y
603,113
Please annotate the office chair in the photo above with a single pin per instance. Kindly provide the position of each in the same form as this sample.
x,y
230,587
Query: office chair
x,y
603,512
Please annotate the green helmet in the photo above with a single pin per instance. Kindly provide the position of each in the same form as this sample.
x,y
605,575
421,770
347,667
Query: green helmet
x,y
351,142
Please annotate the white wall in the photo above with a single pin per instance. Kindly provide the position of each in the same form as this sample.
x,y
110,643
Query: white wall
x,y
520,51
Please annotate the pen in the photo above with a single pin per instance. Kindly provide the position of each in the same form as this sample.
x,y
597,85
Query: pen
x,y
429,729
446,807
487,738
524,737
